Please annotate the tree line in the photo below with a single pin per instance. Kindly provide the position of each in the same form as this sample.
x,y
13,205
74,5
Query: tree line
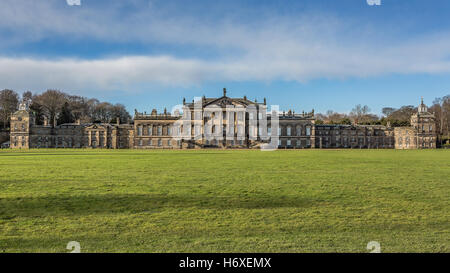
x,y
58,107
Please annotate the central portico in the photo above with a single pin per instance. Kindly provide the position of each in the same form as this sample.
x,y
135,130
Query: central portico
x,y
223,122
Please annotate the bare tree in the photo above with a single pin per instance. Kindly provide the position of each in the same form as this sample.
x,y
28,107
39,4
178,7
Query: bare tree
x,y
402,116
51,101
9,101
359,113
119,111
387,111
103,112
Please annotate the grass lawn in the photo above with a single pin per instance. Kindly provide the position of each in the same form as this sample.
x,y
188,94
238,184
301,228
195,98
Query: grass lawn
x,y
224,201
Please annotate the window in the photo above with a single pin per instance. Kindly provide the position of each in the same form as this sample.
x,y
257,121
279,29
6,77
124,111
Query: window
x,y
169,130
308,131
279,131
140,131
431,128
159,130
241,130
289,131
269,131
299,131
288,142
279,142
159,142
150,142
150,130
169,143
298,142
140,142
197,130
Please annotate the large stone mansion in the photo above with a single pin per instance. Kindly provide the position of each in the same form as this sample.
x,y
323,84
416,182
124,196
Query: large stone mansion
x,y
156,130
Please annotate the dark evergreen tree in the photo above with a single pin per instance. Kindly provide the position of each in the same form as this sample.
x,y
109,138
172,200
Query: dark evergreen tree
x,y
65,115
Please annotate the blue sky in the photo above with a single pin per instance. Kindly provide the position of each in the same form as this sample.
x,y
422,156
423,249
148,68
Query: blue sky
x,y
299,54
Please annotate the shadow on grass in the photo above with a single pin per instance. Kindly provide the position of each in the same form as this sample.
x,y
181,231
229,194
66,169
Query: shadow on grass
x,y
136,203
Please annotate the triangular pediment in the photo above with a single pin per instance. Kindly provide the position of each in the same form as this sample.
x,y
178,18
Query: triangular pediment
x,y
96,126
224,101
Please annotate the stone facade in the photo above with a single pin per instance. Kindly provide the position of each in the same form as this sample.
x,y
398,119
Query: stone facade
x,y
157,130
26,134
421,134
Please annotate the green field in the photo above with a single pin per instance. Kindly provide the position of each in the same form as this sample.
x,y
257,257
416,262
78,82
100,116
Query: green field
x,y
224,201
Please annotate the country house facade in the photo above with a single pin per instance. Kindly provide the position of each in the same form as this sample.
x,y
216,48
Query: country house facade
x,y
243,124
